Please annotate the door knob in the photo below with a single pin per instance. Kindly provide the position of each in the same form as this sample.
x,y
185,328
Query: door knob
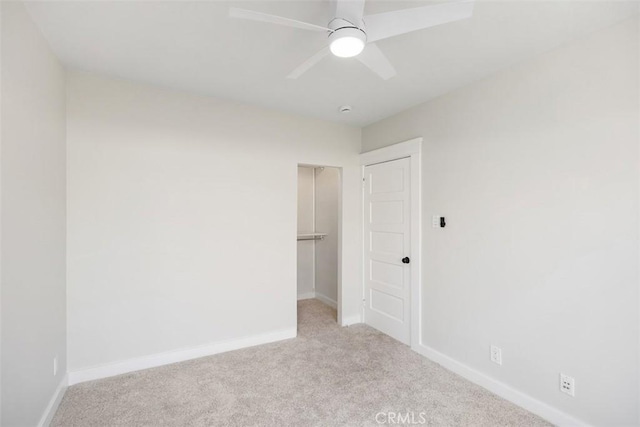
x,y
406,260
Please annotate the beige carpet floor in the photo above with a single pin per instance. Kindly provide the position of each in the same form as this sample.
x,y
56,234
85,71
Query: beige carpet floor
x,y
328,376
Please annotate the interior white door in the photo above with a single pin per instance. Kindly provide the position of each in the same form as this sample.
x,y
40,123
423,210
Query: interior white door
x,y
387,234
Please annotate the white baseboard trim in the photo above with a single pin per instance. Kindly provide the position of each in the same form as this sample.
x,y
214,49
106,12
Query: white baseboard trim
x,y
52,407
308,295
549,413
167,358
351,320
328,301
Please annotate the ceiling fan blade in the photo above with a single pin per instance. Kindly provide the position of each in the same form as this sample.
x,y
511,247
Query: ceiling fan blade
x,y
376,61
350,10
301,69
389,24
273,19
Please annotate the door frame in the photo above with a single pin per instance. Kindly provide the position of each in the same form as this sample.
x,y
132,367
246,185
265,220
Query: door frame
x,y
408,149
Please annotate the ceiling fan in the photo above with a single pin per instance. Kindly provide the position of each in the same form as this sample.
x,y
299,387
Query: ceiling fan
x,y
350,34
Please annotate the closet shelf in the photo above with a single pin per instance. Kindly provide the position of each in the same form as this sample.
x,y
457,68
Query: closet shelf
x,y
312,236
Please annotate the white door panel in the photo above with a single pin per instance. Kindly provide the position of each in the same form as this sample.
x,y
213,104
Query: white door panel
x,y
387,231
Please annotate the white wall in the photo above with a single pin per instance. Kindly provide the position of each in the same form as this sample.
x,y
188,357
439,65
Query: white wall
x,y
536,170
33,220
306,224
327,194
182,218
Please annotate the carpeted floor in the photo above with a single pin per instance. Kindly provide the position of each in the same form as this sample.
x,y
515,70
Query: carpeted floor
x,y
328,376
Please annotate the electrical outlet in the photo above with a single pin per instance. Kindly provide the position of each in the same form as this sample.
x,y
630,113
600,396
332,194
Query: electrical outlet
x,y
435,221
55,366
567,385
496,355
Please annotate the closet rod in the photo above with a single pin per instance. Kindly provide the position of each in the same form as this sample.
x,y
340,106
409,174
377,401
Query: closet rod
x,y
314,236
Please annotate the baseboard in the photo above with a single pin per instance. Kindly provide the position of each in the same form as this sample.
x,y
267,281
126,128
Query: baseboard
x,y
328,301
549,413
308,295
167,358
351,320
52,407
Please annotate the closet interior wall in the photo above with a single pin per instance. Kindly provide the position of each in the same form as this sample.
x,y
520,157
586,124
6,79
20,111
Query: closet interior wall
x,y
318,207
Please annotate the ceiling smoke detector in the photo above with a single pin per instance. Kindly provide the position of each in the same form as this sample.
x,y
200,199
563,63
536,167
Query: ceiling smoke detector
x,y
345,109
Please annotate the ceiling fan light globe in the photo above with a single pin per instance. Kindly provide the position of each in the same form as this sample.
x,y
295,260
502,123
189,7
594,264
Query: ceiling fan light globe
x,y
347,42
346,47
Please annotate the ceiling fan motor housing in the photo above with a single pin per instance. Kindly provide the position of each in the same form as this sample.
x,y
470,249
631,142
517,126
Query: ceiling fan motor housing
x,y
348,32
340,24
345,39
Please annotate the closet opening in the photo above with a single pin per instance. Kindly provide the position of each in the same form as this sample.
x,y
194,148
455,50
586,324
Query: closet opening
x,y
318,240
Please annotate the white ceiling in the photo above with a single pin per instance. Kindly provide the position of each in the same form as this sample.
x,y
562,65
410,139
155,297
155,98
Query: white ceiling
x,y
194,46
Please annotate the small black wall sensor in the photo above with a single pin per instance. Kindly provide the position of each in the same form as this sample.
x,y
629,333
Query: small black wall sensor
x,y
442,222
